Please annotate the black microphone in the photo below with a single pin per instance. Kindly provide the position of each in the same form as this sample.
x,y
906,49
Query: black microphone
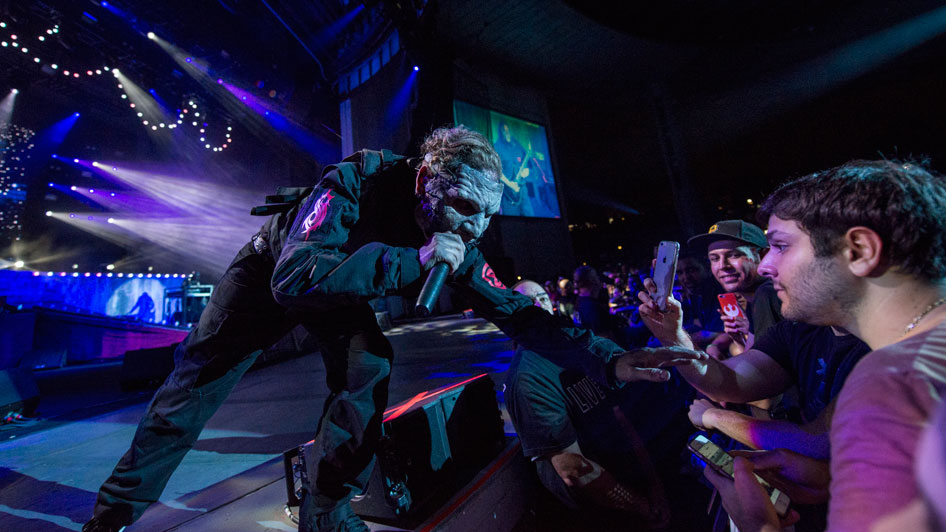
x,y
431,290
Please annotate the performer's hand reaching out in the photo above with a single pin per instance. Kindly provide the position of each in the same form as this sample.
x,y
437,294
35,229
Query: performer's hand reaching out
x,y
443,247
647,364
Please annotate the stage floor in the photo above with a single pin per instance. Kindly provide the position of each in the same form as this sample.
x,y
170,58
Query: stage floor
x,y
233,479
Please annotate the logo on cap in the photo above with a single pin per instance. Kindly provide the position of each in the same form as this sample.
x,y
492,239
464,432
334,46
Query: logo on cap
x,y
713,228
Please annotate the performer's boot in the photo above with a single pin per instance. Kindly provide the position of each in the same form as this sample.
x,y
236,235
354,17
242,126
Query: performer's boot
x,y
95,525
340,518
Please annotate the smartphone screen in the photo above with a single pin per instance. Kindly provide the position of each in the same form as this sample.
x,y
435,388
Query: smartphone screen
x,y
716,457
730,305
665,269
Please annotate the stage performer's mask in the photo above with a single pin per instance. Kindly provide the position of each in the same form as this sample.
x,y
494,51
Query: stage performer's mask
x,y
459,199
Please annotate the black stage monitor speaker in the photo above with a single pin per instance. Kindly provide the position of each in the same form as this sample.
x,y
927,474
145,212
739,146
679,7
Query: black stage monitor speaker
x,y
18,392
146,368
431,446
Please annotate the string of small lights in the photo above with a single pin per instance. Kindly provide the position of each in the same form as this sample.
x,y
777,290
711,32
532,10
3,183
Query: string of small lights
x,y
11,40
15,145
119,275
186,115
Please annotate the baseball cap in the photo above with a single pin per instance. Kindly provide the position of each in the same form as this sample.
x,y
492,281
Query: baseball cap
x,y
730,230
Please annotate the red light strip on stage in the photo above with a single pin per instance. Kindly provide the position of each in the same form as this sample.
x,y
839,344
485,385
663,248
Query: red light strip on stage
x,y
502,461
393,413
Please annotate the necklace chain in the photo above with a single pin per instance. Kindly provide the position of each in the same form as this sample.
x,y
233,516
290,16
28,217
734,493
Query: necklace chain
x,y
923,314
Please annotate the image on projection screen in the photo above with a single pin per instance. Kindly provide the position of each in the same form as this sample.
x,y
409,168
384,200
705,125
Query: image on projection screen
x,y
523,147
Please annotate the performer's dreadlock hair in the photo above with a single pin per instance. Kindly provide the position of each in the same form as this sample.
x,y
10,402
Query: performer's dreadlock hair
x,y
452,146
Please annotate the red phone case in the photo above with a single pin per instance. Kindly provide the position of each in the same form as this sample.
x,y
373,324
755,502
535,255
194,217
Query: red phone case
x,y
730,305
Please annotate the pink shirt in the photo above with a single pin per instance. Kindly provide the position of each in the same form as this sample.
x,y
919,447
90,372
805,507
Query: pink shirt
x,y
881,411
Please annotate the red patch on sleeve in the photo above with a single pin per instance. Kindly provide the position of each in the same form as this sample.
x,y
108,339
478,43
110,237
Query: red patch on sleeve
x,y
490,277
317,216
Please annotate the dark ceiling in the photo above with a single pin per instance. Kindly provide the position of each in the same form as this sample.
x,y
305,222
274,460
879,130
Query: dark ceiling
x,y
753,91
572,49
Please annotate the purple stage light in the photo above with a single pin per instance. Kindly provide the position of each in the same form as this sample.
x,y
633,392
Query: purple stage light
x,y
219,82
72,215
188,59
91,218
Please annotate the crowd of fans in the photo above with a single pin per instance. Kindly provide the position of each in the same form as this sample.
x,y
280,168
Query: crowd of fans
x,y
826,385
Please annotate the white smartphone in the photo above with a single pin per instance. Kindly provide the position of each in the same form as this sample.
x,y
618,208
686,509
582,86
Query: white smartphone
x,y
665,269
721,461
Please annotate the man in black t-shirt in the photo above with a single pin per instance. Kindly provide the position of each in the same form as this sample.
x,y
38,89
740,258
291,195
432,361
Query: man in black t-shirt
x,y
598,448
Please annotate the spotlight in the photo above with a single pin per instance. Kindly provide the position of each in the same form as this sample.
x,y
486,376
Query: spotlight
x,y
54,157
219,81
52,184
49,213
91,191
110,267
54,66
111,220
75,115
75,160
416,68
188,59
73,188
14,91
104,4
151,35
18,264
75,266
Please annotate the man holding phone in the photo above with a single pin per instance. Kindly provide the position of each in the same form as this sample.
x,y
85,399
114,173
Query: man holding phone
x,y
734,249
